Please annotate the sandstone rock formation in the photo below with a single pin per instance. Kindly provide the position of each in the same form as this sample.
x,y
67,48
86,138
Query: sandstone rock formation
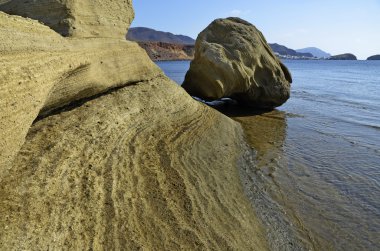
x,y
41,71
233,59
101,151
85,18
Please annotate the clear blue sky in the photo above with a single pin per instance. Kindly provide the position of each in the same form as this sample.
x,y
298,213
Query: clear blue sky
x,y
336,26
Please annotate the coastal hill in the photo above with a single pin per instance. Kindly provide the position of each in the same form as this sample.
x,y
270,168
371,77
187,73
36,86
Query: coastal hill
x,y
316,52
284,51
150,35
160,51
346,56
162,46
374,57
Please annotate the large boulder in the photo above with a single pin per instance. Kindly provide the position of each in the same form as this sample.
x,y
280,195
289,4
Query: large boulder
x,y
233,59
77,18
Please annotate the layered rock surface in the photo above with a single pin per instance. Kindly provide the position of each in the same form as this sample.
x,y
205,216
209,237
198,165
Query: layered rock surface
x,y
130,169
100,151
77,18
233,59
41,71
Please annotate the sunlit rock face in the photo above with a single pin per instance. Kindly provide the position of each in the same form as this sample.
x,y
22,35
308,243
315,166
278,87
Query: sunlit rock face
x,y
233,59
100,151
77,18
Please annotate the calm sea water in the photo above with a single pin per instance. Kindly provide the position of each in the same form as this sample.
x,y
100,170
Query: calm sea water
x,y
326,160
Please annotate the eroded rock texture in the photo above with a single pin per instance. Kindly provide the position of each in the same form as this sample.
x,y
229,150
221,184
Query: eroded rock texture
x,y
100,151
233,59
41,71
77,18
131,169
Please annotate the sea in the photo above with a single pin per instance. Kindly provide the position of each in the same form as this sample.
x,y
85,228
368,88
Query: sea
x,y
323,151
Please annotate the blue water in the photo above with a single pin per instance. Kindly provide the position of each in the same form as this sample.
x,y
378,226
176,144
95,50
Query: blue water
x,y
176,70
328,173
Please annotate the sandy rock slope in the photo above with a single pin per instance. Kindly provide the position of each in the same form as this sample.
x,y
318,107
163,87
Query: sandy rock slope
x,y
100,151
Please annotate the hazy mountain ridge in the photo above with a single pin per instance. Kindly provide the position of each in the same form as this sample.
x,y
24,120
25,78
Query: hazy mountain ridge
x,y
345,56
374,57
151,40
285,51
316,52
144,34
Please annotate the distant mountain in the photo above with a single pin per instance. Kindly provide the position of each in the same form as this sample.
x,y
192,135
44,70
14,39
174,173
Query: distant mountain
x,y
159,51
316,52
375,57
143,34
162,45
285,51
346,56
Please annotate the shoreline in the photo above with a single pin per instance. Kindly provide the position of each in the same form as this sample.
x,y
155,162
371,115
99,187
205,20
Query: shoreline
x,y
255,167
280,231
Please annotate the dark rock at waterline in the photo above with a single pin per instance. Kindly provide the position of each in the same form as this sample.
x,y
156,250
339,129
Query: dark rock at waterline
x,y
346,56
233,59
375,57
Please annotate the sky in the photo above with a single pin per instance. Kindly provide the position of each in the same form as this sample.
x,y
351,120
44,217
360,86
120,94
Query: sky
x,y
335,26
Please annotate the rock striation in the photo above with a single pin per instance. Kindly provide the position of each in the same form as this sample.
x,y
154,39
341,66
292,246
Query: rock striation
x,y
43,71
233,59
85,18
101,151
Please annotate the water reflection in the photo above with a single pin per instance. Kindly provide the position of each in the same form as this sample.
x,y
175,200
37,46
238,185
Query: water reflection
x,y
304,172
265,132
320,159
